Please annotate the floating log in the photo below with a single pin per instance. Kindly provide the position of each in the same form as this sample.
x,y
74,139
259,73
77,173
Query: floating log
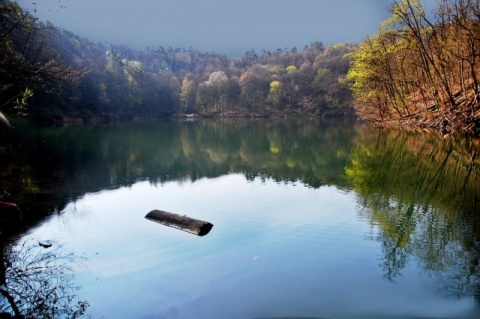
x,y
182,222
45,244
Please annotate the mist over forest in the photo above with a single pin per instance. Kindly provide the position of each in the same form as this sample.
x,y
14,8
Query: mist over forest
x,y
125,83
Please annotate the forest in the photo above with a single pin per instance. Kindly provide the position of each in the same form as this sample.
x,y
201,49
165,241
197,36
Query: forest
x,y
79,79
420,70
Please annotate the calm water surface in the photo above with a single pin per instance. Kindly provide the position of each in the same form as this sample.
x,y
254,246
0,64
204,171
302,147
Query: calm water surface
x,y
311,220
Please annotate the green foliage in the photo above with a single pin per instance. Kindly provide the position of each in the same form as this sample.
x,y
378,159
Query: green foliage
x,y
421,71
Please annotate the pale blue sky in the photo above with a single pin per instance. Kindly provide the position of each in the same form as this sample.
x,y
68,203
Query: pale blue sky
x,y
225,26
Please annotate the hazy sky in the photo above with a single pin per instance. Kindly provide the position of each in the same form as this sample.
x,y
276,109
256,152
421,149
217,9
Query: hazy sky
x,y
225,26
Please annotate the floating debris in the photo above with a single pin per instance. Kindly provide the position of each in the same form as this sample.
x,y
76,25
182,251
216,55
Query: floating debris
x,y
182,222
45,244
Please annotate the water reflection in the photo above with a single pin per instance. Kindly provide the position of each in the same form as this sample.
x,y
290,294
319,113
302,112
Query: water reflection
x,y
37,281
47,167
418,192
422,193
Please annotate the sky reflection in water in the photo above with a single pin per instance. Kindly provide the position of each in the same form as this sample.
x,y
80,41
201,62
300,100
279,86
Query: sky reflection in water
x,y
276,250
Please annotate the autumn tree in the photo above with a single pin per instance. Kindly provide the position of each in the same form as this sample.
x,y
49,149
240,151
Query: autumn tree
x,y
291,86
254,83
276,93
187,93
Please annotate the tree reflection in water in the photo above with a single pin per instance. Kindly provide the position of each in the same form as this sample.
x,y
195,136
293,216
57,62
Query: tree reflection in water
x,y
37,282
421,193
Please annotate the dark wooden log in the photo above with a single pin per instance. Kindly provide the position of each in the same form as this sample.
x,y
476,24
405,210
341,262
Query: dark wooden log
x,y
182,222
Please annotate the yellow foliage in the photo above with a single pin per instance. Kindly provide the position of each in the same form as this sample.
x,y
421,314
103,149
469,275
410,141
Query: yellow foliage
x,y
21,103
275,85
290,163
291,68
275,149
275,94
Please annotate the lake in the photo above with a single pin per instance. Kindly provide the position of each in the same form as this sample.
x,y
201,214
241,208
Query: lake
x,y
312,219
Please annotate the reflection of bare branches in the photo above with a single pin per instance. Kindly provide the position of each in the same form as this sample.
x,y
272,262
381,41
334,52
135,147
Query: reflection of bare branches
x,y
455,267
38,283
395,257
463,281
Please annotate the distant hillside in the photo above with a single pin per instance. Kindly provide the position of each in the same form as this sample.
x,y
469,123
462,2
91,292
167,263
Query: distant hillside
x,y
116,82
